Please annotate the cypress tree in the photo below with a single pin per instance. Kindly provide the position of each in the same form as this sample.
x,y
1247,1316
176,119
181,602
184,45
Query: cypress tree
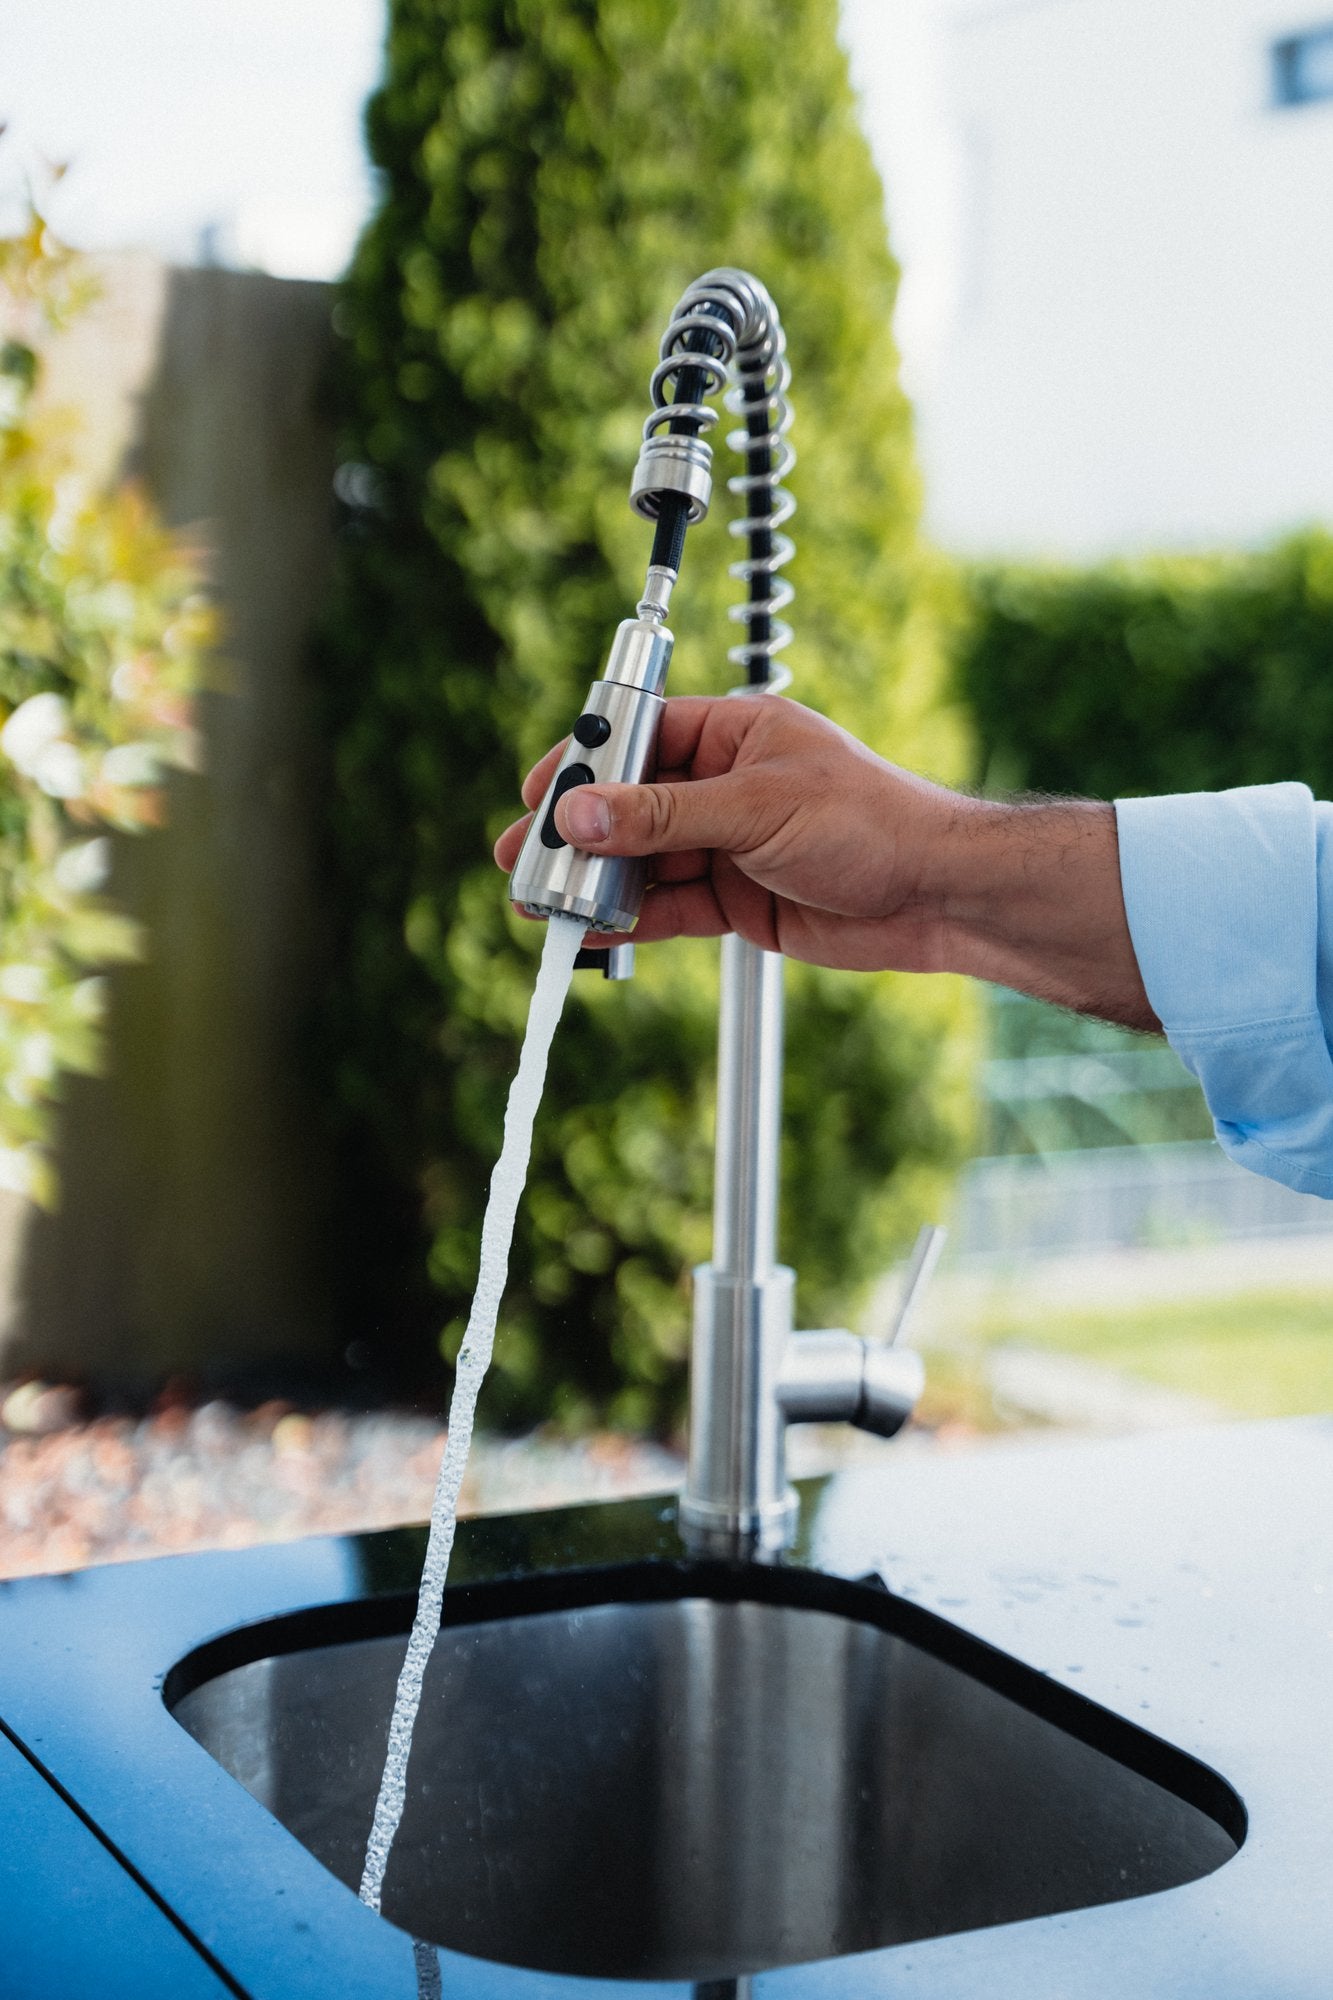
x,y
553,173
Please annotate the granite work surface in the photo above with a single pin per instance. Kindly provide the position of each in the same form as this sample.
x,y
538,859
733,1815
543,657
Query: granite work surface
x,y
1183,1582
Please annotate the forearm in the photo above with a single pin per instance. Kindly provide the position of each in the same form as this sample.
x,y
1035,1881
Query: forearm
x,y
1029,897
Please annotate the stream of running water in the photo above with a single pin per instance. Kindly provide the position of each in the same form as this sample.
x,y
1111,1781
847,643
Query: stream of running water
x,y
564,935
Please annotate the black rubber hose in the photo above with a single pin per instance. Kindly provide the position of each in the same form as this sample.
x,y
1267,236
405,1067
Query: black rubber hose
x,y
758,463
669,537
691,386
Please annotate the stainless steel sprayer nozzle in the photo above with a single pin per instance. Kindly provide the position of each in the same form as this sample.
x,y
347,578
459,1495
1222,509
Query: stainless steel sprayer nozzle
x,y
614,741
724,334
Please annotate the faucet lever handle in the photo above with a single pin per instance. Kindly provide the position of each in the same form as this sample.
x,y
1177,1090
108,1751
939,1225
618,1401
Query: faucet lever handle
x,y
931,1238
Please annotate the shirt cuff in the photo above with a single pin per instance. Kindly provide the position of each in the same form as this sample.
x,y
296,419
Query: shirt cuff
x,y
1222,897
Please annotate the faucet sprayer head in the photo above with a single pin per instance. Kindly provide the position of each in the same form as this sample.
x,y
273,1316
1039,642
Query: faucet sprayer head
x,y
614,741
724,330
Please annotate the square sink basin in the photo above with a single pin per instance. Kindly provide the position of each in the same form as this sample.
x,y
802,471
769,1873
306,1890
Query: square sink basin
x,y
700,1771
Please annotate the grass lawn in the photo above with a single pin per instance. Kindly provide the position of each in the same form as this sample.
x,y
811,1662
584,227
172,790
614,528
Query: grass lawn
x,y
1261,1354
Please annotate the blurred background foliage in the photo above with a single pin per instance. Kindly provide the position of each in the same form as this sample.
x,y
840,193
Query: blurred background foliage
x,y
552,175
1168,674
104,628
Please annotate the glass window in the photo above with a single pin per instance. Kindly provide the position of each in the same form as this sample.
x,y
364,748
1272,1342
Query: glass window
x,y
1303,66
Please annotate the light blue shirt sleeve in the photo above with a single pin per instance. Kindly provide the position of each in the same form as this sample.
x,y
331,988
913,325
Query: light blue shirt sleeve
x,y
1229,897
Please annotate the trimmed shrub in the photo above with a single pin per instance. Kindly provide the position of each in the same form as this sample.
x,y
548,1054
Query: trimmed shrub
x,y
103,632
1172,674
553,173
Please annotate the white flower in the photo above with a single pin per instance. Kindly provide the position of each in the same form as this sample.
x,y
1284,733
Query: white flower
x,y
35,725
114,602
70,493
36,1057
131,764
58,769
83,869
24,983
18,1170
88,999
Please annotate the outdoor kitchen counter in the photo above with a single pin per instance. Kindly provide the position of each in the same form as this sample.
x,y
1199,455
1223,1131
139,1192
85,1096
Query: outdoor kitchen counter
x,y
1183,1581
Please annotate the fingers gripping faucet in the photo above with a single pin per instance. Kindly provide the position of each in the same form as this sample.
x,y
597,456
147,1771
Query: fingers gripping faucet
x,y
751,1374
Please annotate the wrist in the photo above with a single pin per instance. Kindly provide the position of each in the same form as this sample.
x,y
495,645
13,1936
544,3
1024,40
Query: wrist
x,y
1028,896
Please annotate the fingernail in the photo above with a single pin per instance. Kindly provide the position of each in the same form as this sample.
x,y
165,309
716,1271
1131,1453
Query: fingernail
x,y
587,818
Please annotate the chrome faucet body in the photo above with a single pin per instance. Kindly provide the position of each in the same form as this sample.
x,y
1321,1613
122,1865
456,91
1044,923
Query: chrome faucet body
x,y
751,1373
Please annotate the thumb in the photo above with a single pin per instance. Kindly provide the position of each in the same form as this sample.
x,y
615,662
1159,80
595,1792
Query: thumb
x,y
655,819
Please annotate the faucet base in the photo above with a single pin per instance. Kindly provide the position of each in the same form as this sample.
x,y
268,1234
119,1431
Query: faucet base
x,y
710,1529
737,1479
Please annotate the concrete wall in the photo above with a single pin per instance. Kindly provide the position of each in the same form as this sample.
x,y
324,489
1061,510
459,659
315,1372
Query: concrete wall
x,y
190,1234
1143,306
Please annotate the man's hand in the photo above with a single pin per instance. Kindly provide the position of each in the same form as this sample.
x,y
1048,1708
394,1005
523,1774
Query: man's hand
x,y
768,820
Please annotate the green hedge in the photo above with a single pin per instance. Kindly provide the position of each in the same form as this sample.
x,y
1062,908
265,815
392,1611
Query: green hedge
x,y
553,173
1167,674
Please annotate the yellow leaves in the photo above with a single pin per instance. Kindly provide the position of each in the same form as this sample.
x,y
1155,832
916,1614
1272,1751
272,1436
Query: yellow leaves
x,y
42,282
97,935
104,630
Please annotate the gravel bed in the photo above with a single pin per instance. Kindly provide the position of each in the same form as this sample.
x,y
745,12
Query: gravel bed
x,y
111,1488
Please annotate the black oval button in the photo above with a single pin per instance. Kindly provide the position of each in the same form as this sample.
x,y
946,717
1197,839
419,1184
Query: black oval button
x,y
573,774
590,730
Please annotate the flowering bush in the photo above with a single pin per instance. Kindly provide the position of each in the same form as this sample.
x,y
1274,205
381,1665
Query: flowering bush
x,y
103,631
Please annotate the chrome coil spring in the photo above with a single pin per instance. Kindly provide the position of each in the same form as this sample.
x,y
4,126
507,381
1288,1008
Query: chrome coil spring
x,y
683,347
730,313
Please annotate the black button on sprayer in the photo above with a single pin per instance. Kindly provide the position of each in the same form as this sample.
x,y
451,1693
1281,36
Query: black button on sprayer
x,y
573,774
590,730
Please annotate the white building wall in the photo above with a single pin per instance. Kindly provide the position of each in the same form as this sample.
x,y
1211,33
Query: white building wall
x,y
1139,347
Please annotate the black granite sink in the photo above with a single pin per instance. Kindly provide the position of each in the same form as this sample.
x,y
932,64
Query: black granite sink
x,y
695,1771
1074,1643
